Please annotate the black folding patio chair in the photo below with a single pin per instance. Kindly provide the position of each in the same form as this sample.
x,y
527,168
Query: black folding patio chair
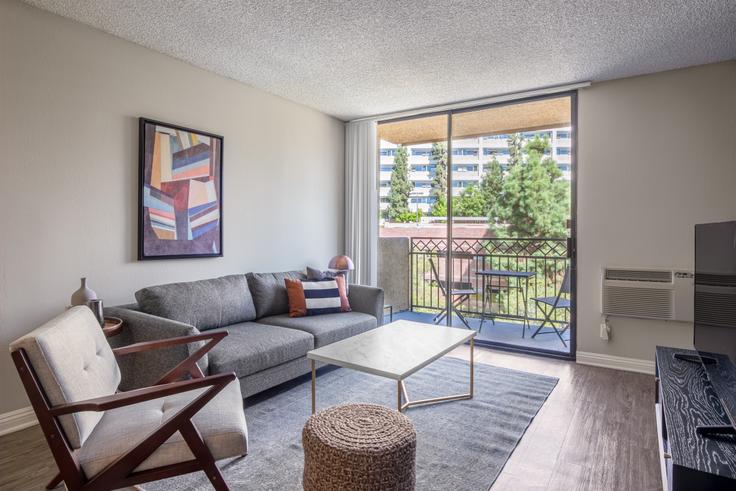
x,y
460,292
549,305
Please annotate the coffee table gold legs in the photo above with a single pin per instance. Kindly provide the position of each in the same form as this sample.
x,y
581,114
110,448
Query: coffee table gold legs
x,y
403,396
399,389
314,387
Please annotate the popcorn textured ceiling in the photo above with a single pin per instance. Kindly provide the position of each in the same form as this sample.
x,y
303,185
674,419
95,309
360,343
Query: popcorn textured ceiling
x,y
357,58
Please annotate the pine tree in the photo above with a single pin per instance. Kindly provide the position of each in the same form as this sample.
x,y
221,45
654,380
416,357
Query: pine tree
x,y
491,187
535,202
439,181
398,196
516,148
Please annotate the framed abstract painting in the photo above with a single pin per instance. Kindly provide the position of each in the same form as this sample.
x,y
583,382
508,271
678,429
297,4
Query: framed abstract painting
x,y
180,192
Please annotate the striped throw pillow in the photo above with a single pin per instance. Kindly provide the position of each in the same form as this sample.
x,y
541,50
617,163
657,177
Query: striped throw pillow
x,y
322,297
317,297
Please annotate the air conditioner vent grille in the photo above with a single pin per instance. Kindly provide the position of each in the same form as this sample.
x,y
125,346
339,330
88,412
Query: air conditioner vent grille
x,y
660,276
648,303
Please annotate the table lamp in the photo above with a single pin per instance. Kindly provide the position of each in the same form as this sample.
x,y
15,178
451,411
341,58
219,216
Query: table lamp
x,y
342,264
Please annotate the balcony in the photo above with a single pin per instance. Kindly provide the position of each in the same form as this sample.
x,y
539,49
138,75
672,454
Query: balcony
x,y
510,316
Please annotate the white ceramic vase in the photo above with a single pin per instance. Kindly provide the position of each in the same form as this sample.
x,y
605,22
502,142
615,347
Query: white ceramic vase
x,y
83,295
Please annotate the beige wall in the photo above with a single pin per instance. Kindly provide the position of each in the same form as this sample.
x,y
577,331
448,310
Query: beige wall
x,y
70,97
657,154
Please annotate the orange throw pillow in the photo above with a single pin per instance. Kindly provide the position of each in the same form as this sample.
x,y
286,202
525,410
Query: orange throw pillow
x,y
342,289
297,302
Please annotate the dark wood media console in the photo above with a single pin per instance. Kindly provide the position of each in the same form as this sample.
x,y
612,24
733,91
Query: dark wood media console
x,y
684,400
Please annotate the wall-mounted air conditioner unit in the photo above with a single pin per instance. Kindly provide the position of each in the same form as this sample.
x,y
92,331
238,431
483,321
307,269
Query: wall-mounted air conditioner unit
x,y
663,294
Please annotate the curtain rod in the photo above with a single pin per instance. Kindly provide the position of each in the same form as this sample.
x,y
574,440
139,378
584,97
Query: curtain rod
x,y
475,102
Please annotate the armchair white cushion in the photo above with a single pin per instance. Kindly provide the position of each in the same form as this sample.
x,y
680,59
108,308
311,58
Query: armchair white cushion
x,y
73,362
221,424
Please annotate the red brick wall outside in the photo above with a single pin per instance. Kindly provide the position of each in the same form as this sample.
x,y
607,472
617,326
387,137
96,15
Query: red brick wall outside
x,y
438,230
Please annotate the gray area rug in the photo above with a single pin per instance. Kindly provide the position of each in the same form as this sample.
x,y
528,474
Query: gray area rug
x,y
461,445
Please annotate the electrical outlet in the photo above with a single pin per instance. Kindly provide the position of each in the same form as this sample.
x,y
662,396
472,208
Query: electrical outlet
x,y
605,331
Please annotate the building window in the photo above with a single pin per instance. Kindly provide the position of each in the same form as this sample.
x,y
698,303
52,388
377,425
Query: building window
x,y
423,199
422,152
465,151
388,152
465,168
462,184
563,134
495,151
385,184
563,150
387,168
496,137
422,184
541,134
424,167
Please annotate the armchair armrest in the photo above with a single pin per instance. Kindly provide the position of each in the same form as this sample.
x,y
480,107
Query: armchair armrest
x,y
367,299
189,365
143,369
168,342
136,396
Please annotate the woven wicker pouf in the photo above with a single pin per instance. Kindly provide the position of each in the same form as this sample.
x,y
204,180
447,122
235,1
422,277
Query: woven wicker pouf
x,y
363,447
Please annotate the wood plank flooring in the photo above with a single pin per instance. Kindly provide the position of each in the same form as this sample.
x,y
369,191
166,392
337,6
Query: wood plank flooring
x,y
595,432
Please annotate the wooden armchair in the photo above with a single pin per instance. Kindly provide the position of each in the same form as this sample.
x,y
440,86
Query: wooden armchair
x,y
103,439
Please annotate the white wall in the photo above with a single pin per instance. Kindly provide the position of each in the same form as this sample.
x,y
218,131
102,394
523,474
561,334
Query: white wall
x,y
70,97
657,154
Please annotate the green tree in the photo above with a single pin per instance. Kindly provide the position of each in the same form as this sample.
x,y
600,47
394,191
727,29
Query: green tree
x,y
516,149
439,181
409,217
398,196
535,202
439,208
470,203
491,187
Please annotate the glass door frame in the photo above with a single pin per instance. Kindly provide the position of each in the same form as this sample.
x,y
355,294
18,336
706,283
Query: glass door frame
x,y
571,240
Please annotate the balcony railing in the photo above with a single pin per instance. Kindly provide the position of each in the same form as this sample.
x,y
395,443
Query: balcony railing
x,y
547,258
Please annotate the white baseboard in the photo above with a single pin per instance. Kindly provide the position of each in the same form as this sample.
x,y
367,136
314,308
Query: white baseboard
x,y
17,420
615,362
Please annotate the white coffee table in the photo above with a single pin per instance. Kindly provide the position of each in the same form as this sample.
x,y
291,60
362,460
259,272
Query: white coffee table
x,y
395,351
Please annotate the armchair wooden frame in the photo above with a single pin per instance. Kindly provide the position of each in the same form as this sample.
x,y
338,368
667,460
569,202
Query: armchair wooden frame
x,y
121,473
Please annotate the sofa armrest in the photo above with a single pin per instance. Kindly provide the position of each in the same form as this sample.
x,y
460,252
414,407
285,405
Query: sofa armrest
x,y
367,299
144,369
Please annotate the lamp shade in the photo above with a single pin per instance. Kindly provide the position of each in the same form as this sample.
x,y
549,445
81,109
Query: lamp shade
x,y
341,263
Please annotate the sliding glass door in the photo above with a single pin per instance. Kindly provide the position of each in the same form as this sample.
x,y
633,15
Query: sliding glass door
x,y
484,219
512,187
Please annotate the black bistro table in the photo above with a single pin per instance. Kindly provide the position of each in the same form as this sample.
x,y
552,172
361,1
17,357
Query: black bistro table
x,y
522,284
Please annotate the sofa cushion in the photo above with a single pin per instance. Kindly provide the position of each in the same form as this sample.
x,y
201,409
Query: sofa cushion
x,y
204,304
269,291
326,328
251,347
221,422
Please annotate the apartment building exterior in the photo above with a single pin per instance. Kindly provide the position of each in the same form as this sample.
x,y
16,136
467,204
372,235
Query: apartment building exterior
x,y
469,156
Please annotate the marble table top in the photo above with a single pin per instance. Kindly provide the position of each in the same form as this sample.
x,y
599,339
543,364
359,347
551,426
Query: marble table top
x,y
395,350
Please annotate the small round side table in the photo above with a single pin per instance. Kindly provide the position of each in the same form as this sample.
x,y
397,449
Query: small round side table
x,y
112,327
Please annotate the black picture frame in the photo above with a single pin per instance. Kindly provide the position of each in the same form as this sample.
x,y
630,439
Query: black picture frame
x,y
183,249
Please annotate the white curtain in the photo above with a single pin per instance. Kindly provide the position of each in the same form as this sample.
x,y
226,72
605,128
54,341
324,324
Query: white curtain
x,y
361,200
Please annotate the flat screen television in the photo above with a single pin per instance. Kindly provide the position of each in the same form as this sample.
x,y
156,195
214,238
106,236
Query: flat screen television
x,y
715,314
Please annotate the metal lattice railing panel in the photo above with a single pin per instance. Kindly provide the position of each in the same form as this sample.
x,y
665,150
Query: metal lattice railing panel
x,y
505,297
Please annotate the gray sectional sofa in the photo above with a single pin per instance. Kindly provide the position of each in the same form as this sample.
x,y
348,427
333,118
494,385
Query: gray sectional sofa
x,y
265,347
